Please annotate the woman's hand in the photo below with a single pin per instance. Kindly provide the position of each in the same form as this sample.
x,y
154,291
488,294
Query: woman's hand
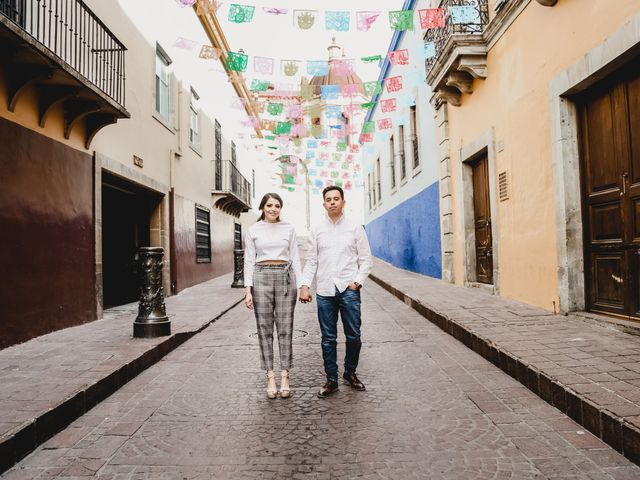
x,y
248,300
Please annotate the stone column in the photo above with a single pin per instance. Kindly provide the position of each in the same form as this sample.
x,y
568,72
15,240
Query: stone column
x,y
445,184
152,320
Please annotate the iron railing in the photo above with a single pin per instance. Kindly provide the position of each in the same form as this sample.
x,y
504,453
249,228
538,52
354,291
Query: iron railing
x,y
439,36
232,181
416,152
76,36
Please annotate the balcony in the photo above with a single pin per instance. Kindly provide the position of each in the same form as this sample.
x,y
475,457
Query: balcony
x,y
65,53
461,53
231,192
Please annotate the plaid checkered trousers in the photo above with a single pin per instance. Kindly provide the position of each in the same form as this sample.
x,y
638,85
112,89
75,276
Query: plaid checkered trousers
x,y
274,300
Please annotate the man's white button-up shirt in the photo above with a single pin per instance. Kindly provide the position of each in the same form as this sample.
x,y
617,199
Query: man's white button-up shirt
x,y
338,253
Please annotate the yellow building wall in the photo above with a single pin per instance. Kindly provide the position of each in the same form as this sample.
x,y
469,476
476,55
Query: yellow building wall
x,y
514,100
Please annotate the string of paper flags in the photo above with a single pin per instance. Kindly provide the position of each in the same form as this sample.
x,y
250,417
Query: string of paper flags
x,y
340,20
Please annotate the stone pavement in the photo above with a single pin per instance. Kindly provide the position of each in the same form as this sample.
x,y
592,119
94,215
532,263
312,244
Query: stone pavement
x,y
587,369
433,409
51,380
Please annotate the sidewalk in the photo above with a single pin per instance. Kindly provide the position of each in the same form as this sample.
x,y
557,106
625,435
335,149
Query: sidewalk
x,y
586,370
51,380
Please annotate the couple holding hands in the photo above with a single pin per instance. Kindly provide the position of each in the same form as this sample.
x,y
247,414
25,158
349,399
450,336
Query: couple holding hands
x,y
338,256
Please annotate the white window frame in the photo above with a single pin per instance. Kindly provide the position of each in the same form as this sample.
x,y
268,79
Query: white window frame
x,y
194,122
162,83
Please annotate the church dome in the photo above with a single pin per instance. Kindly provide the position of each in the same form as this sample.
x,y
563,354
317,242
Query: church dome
x,y
335,74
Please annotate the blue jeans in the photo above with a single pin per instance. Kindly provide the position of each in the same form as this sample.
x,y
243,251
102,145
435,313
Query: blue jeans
x,y
348,304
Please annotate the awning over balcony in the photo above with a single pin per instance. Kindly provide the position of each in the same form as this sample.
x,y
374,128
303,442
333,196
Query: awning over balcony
x,y
231,192
63,50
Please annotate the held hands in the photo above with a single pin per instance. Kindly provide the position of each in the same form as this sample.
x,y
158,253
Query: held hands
x,y
304,296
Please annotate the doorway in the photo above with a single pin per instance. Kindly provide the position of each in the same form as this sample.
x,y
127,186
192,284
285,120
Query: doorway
x,y
482,219
609,125
126,221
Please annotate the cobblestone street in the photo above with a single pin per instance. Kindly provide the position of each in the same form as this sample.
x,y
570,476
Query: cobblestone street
x,y
433,409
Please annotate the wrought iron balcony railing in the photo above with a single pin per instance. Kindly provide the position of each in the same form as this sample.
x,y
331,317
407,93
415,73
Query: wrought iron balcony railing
x,y
231,189
439,36
73,33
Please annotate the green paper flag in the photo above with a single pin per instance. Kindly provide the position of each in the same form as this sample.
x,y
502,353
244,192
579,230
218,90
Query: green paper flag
x,y
372,88
275,108
283,128
241,13
368,104
371,58
341,147
237,62
369,127
401,20
259,85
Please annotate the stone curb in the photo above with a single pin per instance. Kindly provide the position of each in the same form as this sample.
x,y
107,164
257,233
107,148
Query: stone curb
x,y
613,430
19,443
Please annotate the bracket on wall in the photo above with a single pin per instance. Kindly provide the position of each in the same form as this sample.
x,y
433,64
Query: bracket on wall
x,y
21,77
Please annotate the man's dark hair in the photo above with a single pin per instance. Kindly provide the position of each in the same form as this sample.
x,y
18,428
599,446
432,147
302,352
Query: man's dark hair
x,y
332,187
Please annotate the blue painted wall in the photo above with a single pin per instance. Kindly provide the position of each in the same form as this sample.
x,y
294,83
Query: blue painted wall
x,y
408,236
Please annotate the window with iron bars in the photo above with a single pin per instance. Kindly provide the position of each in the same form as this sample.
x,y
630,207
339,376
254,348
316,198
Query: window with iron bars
x,y
378,186
403,163
218,154
392,162
203,235
414,137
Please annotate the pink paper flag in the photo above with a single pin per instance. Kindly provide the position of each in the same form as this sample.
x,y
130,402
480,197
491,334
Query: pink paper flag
x,y
431,18
366,19
399,57
384,124
239,103
350,89
343,67
275,11
295,111
388,105
394,84
263,65
185,43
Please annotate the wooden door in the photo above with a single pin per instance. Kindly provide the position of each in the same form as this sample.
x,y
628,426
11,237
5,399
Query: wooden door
x,y
482,220
610,165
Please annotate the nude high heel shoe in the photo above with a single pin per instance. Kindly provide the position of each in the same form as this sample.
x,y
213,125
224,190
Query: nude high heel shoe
x,y
272,390
285,391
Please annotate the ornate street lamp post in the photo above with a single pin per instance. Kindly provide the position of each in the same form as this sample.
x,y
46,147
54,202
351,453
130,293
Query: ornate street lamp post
x,y
152,320
238,268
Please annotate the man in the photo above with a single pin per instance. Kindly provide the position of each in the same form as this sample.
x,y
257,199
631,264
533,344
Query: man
x,y
339,254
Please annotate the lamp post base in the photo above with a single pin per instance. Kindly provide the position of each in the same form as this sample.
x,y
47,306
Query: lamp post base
x,y
151,329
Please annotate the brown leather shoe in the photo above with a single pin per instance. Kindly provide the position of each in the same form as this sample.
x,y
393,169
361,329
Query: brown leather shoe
x,y
351,379
328,388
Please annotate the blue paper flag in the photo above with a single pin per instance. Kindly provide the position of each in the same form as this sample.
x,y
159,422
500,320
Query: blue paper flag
x,y
334,111
317,67
464,15
338,21
429,50
329,92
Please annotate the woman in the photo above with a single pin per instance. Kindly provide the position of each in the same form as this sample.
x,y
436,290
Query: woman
x,y
271,270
